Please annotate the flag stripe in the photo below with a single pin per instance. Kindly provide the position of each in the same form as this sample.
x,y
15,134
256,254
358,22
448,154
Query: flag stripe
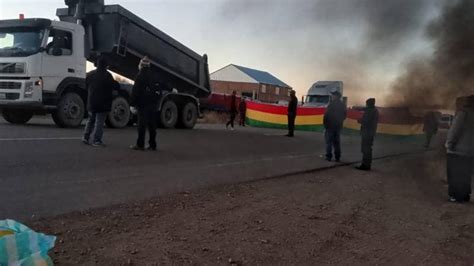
x,y
268,115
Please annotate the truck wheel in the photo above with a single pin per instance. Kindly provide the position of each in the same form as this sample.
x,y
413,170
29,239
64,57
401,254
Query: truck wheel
x,y
168,115
17,116
119,116
188,116
70,112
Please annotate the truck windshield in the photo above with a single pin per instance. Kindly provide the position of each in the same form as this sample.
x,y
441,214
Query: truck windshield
x,y
18,42
319,99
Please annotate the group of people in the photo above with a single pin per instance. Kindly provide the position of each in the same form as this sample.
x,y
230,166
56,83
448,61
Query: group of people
x,y
145,98
334,117
333,121
143,102
233,111
459,144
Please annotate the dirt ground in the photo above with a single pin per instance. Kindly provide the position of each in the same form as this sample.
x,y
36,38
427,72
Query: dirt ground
x,y
210,117
397,214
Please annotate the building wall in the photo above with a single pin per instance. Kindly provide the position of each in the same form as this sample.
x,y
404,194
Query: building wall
x,y
227,87
262,92
273,94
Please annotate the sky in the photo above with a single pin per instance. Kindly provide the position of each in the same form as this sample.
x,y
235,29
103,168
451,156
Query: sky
x,y
364,43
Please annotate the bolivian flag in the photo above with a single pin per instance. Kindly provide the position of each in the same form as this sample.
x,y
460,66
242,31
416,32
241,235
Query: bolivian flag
x,y
275,116
311,119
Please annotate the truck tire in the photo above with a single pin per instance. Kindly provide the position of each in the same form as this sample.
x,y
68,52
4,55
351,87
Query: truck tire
x,y
168,115
188,116
119,115
70,111
17,116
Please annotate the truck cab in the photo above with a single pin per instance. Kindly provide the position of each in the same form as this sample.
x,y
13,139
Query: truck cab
x,y
43,65
319,95
37,58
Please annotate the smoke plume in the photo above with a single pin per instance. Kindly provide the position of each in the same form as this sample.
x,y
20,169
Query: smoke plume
x,y
437,80
373,32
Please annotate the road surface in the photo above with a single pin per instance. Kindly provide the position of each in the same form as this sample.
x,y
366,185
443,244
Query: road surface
x,y
47,171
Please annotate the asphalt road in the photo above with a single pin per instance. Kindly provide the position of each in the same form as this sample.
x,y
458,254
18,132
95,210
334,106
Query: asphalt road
x,y
46,170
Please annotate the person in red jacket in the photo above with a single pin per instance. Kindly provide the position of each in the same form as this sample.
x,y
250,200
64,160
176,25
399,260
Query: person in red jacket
x,y
233,110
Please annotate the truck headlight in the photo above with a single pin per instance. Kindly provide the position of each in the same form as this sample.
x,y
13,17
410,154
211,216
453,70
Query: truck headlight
x,y
29,88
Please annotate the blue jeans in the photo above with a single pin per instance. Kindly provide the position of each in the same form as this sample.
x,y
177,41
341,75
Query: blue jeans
x,y
333,140
95,124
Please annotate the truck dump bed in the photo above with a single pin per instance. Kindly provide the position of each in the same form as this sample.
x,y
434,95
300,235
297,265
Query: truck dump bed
x,y
125,38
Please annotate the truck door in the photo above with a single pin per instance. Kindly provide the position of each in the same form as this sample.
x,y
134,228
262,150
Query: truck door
x,y
59,61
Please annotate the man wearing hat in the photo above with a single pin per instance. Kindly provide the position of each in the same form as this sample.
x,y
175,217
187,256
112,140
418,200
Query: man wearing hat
x,y
144,102
369,122
333,122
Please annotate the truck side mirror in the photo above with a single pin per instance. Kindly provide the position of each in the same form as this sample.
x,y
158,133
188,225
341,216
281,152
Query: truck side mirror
x,y
57,51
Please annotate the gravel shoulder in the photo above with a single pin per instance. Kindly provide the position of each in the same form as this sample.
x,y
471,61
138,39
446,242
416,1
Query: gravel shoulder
x,y
396,214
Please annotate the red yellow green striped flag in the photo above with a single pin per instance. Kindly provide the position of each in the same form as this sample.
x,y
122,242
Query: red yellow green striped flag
x,y
311,119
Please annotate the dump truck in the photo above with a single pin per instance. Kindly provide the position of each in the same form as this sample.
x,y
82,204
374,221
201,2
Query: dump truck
x,y
43,65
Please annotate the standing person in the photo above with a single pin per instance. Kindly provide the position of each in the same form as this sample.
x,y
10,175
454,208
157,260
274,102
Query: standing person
x,y
292,110
100,85
243,111
460,152
368,130
333,122
144,102
430,127
233,110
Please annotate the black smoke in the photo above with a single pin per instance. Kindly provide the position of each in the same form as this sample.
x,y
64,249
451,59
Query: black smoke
x,y
436,81
385,27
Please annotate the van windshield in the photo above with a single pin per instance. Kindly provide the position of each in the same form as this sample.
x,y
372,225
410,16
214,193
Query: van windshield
x,y
20,42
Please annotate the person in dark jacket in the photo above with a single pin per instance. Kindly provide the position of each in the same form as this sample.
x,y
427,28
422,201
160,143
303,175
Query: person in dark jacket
x,y
243,111
292,111
333,121
368,130
460,152
144,102
233,110
100,85
430,127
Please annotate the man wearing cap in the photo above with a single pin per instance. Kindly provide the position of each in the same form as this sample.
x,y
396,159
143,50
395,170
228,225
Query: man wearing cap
x,y
292,110
369,122
144,102
460,150
333,122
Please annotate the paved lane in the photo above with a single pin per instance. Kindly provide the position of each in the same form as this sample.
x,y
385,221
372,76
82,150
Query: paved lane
x,y
45,170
